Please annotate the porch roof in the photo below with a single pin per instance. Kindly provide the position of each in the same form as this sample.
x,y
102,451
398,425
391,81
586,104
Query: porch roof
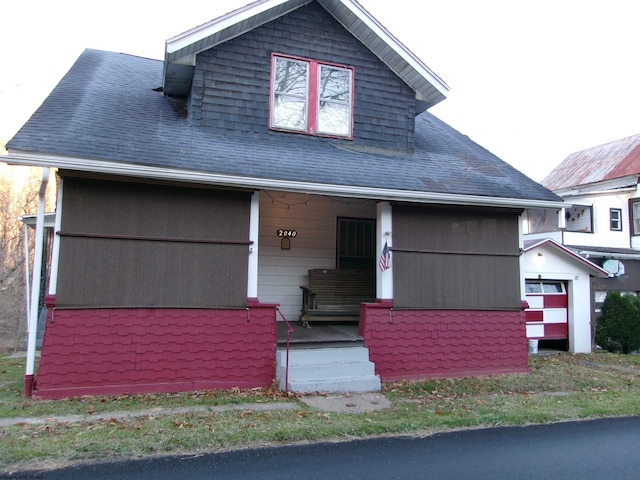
x,y
107,116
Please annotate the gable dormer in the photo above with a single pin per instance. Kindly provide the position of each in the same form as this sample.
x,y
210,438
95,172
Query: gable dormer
x,y
321,68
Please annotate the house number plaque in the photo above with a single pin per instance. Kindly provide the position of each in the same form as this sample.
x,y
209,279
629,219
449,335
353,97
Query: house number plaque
x,y
287,233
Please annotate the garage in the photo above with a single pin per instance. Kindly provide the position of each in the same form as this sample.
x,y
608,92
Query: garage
x,y
556,285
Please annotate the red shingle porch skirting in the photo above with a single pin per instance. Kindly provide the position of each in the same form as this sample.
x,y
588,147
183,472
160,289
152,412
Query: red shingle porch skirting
x,y
419,344
117,351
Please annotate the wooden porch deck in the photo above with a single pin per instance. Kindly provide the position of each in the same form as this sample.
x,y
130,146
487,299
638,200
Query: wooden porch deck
x,y
319,335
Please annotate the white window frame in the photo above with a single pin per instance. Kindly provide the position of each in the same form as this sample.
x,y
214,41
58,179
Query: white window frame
x,y
615,219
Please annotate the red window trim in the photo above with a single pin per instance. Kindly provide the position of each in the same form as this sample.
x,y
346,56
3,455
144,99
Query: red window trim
x,y
312,97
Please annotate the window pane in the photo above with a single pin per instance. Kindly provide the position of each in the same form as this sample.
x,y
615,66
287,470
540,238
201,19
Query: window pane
x,y
533,287
578,219
335,84
334,101
615,219
334,118
636,218
289,112
552,287
291,77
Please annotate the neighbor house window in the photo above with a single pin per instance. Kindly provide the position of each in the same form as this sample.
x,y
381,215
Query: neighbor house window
x,y
311,97
615,217
635,217
579,218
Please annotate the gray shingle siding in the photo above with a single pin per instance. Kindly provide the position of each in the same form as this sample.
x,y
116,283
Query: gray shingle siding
x,y
230,90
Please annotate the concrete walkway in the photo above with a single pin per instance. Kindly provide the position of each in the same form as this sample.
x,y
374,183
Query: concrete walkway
x,y
342,403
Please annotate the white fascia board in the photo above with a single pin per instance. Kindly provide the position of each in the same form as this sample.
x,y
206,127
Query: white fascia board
x,y
216,25
396,45
622,184
257,183
598,271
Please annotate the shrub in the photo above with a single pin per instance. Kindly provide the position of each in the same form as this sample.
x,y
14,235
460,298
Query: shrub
x,y
618,329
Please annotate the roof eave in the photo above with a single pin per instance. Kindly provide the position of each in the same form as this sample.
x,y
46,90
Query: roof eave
x,y
238,181
598,271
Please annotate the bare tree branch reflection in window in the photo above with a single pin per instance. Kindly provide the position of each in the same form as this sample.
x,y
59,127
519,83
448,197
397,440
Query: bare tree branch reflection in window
x,y
290,100
334,97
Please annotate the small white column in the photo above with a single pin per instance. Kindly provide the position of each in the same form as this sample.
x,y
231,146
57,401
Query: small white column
x,y
562,218
384,279
254,224
27,273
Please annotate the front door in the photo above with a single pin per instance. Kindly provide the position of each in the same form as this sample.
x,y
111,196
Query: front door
x,y
356,244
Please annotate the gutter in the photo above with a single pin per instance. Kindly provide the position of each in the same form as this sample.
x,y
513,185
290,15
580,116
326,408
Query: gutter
x,y
618,256
598,192
237,181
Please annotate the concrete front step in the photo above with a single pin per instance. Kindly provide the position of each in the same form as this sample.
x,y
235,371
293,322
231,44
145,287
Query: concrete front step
x,y
337,385
340,369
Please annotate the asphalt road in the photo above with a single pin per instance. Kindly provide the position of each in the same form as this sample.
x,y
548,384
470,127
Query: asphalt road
x,y
576,450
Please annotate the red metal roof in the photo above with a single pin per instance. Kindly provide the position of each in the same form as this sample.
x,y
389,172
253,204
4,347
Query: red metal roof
x,y
612,160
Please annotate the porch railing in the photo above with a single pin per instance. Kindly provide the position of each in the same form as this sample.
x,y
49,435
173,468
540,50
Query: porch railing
x,y
289,332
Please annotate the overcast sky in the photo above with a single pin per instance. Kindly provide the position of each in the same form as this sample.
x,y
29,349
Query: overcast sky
x,y
531,81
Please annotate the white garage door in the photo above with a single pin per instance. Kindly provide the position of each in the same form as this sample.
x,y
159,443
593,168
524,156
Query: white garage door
x,y
547,315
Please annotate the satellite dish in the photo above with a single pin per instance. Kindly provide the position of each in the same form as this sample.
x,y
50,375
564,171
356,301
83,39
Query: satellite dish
x,y
614,267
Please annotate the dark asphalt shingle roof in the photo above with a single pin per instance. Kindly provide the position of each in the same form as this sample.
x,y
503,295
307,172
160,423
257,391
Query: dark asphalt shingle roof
x,y
106,108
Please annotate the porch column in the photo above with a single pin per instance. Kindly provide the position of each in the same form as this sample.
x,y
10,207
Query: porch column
x,y
35,287
55,254
384,278
521,259
254,223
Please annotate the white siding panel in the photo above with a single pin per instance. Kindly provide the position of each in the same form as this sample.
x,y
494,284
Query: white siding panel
x,y
535,330
314,218
535,301
555,315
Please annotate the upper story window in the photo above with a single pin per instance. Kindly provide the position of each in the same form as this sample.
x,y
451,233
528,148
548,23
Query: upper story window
x,y
615,219
579,218
635,216
311,97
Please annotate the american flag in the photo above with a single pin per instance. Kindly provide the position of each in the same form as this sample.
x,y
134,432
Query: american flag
x,y
385,258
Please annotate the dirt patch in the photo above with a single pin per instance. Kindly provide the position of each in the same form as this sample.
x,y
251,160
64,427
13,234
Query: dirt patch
x,y
605,366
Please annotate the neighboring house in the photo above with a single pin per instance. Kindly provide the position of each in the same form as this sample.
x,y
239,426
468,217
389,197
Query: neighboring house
x,y
196,193
601,221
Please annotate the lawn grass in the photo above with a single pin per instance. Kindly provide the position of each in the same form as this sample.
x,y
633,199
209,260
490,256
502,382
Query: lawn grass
x,y
13,403
559,387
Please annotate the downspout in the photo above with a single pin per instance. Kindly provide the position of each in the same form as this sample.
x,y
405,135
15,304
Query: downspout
x,y
35,286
